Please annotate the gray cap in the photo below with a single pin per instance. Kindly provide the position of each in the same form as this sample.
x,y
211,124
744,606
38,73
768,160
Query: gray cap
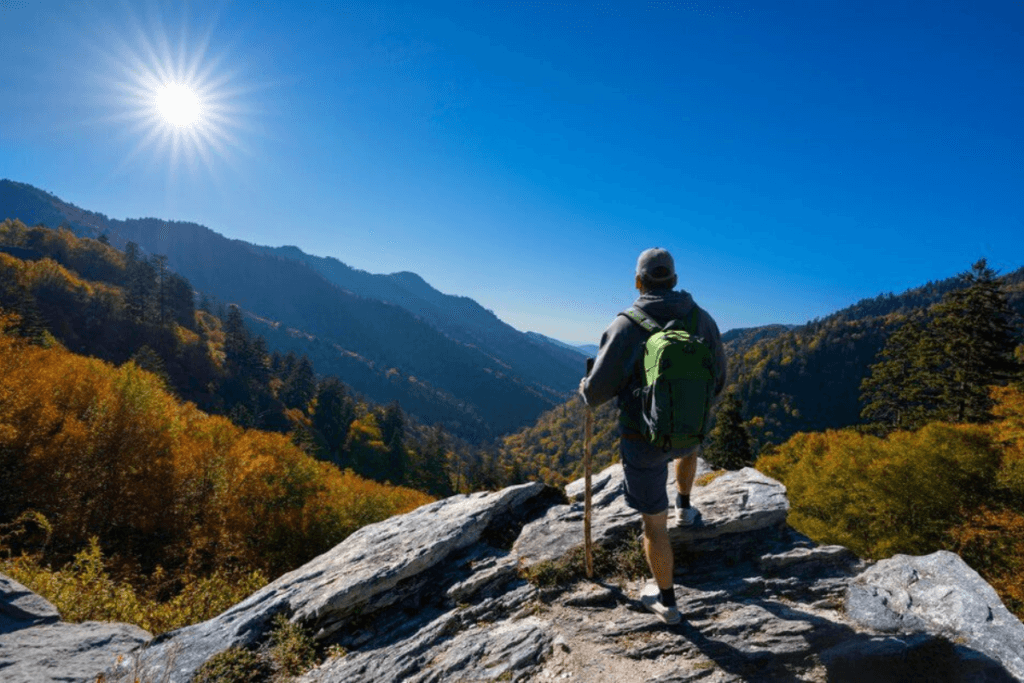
x,y
656,265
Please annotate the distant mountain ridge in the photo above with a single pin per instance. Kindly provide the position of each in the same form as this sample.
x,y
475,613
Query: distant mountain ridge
x,y
583,350
458,317
391,337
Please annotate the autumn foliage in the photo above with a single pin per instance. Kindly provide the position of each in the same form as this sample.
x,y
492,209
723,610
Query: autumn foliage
x,y
552,449
953,486
106,452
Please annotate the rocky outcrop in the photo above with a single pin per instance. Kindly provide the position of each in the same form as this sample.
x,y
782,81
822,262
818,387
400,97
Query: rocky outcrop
x,y
404,562
21,608
439,595
733,505
36,646
937,594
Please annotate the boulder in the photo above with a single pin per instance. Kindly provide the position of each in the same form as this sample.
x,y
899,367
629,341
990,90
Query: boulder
x,y
938,594
36,647
21,608
494,640
383,564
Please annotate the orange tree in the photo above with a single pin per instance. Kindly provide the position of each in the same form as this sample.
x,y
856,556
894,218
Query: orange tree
x,y
107,452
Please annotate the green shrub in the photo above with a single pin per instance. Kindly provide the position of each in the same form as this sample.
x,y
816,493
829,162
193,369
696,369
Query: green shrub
x,y
234,665
291,647
624,560
83,590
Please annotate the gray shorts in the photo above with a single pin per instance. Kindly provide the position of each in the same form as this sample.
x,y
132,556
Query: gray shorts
x,y
646,473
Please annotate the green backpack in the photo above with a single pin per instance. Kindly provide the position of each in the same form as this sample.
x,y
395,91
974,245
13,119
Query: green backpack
x,y
679,381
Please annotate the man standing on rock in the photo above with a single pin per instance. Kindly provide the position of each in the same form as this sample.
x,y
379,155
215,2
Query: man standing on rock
x,y
619,372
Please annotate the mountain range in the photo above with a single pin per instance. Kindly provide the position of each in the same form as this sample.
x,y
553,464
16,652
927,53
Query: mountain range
x,y
445,359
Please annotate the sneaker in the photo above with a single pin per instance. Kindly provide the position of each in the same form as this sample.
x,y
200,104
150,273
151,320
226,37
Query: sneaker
x,y
686,516
651,599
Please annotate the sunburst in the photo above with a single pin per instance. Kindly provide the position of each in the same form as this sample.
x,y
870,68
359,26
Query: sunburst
x,y
178,99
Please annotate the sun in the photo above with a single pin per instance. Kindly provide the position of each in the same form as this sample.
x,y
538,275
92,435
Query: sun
x,y
175,94
178,104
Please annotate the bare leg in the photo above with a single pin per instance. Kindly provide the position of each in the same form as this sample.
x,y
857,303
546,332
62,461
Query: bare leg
x,y
658,548
686,471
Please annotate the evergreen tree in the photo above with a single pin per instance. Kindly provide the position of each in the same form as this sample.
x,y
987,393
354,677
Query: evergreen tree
x,y
180,301
159,263
332,418
429,466
299,381
16,298
258,364
901,391
237,387
972,326
943,370
131,254
140,289
149,360
729,446
392,427
236,337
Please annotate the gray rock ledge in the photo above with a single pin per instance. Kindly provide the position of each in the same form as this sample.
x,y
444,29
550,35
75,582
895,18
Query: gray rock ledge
x,y
938,594
36,647
437,595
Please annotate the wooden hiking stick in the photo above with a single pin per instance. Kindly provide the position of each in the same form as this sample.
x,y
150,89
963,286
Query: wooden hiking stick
x,y
588,548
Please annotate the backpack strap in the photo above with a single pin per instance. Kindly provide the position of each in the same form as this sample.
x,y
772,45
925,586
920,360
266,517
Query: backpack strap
x,y
642,319
691,325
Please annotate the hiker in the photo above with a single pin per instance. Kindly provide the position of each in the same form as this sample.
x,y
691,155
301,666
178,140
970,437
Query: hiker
x,y
618,372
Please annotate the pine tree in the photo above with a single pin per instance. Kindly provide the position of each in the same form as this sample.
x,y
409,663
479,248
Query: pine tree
x,y
141,275
159,263
392,427
429,467
180,301
236,337
332,418
942,370
900,393
16,298
258,363
729,446
131,254
973,328
299,382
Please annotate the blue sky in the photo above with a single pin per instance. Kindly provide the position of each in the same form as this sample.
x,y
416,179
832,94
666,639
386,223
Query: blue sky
x,y
794,156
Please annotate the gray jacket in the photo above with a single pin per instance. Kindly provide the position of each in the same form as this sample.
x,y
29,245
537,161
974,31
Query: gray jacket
x,y
618,369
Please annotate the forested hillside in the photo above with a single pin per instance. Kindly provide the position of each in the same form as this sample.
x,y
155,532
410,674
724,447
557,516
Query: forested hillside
x,y
156,511
138,310
498,382
101,460
808,378
957,487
